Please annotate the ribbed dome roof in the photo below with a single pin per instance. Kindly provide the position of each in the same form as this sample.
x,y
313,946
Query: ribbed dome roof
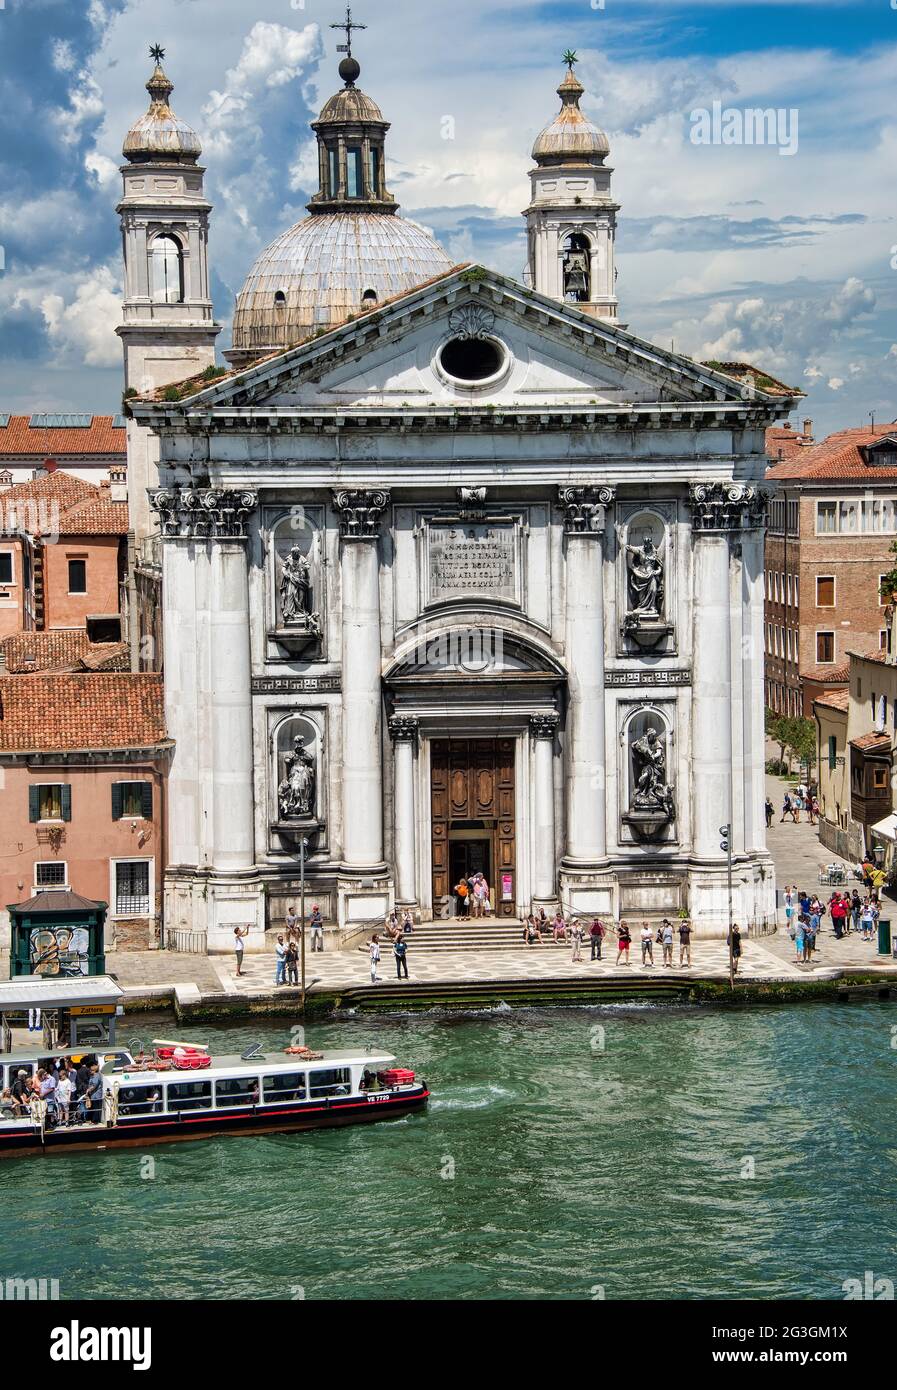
x,y
571,135
322,267
349,105
159,134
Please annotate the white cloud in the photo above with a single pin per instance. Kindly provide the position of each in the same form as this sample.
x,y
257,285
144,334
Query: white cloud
x,y
84,328
104,170
272,55
63,55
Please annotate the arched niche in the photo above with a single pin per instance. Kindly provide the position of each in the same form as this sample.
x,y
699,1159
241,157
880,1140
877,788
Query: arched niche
x,y
648,791
297,776
296,578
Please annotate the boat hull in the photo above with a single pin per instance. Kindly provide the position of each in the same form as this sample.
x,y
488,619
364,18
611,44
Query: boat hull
x,y
168,1129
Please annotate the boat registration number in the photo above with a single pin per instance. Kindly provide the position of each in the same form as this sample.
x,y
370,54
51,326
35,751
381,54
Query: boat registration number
x,y
374,1099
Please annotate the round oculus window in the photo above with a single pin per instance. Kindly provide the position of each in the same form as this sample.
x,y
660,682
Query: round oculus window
x,y
472,360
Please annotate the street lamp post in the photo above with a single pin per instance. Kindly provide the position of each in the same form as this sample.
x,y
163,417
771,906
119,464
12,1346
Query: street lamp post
x,y
726,844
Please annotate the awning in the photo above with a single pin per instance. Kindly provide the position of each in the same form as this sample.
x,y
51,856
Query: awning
x,y
45,992
886,828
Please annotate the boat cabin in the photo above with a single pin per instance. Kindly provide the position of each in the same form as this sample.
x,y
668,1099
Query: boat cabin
x,y
63,1012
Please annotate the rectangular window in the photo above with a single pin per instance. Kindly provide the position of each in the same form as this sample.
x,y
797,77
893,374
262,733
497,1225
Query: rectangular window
x,y
848,516
355,187
826,517
5,566
375,172
190,1095
832,752
882,598
825,646
132,890
139,1100
237,1090
334,173
825,591
49,801
77,576
283,1086
797,591
334,1081
51,873
132,800
883,639
880,778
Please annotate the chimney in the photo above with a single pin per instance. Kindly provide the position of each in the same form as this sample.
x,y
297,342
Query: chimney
x,y
808,431
5,480
118,483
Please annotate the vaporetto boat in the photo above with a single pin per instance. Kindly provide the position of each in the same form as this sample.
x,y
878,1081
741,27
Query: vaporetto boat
x,y
181,1092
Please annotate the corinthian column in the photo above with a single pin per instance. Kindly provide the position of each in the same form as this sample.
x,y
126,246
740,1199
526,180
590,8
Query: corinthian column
x,y
543,729
360,512
716,513
586,833
403,732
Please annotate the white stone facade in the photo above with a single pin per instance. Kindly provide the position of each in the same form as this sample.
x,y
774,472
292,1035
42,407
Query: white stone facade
x,y
465,544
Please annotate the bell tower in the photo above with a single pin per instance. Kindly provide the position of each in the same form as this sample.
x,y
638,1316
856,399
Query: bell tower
x,y
571,219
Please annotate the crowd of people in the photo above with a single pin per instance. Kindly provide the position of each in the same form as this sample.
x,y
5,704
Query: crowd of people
x,y
800,798
539,929
473,896
848,912
63,1091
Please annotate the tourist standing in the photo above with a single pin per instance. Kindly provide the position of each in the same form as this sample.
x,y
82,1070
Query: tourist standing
x,y
647,945
292,963
770,812
685,943
400,951
63,1096
292,922
734,941
316,923
375,957
462,904
624,942
576,938
666,939
596,936
280,961
810,933
838,909
239,934
856,909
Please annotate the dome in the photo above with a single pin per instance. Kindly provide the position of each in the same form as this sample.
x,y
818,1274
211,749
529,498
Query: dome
x,y
159,134
571,136
350,105
327,267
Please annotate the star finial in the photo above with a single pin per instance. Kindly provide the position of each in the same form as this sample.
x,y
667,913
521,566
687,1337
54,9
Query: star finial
x,y
571,58
157,52
349,26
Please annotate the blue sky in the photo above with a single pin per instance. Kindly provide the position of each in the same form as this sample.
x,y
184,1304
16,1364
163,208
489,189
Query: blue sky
x,y
728,251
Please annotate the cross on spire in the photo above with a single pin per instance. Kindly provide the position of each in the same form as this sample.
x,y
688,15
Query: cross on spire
x,y
157,52
349,26
571,58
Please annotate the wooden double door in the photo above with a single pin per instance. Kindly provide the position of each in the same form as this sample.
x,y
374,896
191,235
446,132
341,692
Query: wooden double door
x,y
472,812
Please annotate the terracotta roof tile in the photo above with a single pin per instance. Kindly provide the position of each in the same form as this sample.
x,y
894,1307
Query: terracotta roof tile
x,y
43,651
837,458
834,699
17,437
874,741
106,656
826,674
61,503
85,710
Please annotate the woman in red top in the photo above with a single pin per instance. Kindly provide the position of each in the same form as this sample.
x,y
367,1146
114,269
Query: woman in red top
x,y
624,941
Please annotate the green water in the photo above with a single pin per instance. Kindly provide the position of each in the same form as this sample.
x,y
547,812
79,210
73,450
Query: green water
x,y
573,1167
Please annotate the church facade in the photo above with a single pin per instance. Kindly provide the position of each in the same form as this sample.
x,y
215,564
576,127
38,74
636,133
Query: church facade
x,y
470,578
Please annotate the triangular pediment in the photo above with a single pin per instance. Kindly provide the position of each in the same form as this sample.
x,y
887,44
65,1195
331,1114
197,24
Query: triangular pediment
x,y
423,350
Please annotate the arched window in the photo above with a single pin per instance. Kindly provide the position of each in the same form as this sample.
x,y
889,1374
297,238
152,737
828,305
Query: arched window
x,y
280,299
577,268
369,298
167,270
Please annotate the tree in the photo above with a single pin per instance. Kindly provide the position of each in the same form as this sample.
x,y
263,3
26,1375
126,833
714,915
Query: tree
x,y
800,738
777,730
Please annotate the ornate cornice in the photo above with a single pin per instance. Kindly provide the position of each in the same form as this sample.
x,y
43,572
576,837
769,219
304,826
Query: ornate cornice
x,y
403,728
360,511
187,513
719,507
584,509
544,725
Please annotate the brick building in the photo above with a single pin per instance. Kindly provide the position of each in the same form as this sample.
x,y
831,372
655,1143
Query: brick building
x,y
63,555
832,521
83,763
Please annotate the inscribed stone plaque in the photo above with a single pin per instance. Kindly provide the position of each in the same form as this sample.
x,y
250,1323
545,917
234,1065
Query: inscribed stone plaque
x,y
473,558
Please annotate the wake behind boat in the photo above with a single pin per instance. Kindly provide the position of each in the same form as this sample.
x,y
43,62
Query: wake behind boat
x,y
182,1092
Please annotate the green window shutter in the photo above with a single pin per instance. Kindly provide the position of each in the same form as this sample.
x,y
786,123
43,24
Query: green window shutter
x,y
66,801
832,752
34,804
116,800
147,795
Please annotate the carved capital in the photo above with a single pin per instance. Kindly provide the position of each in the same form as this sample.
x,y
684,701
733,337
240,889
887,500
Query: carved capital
x,y
544,725
187,513
403,728
360,512
720,507
585,509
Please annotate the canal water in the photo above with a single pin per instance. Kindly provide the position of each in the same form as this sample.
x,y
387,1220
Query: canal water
x,y
626,1153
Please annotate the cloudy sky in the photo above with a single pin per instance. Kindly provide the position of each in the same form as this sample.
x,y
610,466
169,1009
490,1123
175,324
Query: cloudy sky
x,y
729,250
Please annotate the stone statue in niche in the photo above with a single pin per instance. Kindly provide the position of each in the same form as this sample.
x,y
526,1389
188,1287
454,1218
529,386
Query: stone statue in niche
x,y
296,793
651,791
646,581
295,587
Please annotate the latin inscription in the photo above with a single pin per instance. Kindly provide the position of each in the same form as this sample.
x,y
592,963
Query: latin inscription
x,y
473,558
